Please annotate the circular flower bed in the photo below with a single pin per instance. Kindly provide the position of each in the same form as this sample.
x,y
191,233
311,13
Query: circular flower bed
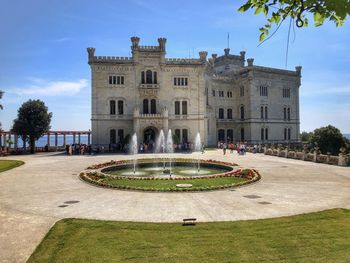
x,y
109,175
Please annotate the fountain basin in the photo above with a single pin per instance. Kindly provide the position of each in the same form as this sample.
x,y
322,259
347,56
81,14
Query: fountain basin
x,y
149,175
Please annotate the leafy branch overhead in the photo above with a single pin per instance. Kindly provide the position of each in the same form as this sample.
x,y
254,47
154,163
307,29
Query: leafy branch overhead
x,y
276,11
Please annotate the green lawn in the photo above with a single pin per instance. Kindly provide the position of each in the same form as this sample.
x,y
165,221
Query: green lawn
x,y
314,237
9,164
171,184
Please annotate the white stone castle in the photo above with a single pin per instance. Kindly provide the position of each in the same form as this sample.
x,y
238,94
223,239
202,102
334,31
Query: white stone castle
x,y
222,98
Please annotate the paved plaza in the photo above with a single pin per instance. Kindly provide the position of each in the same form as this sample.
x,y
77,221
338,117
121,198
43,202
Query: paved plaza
x,y
34,196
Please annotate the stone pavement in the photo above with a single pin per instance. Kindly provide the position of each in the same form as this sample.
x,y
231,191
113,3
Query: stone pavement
x,y
31,196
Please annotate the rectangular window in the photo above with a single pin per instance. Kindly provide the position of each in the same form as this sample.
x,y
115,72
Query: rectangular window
x,y
262,134
177,107
263,91
175,82
286,93
285,133
285,114
213,91
186,81
288,113
266,134
241,91
120,107
289,134
262,112
266,113
180,81
184,108
116,80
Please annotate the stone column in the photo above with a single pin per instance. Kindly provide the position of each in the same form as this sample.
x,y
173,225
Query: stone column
x,y
64,139
48,139
342,161
286,153
56,140
16,141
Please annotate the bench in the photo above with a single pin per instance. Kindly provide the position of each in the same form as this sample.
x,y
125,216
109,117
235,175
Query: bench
x,y
189,221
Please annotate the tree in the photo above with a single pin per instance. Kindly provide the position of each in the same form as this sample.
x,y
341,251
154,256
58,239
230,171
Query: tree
x,y
276,11
306,136
33,121
329,139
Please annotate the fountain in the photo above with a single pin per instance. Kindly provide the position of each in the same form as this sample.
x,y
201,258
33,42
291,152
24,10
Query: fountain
x,y
133,149
160,145
169,148
198,148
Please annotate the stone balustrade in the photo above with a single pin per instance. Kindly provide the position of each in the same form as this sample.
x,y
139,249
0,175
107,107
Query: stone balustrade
x,y
342,159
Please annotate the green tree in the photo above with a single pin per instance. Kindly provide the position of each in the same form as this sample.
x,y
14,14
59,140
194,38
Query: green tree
x,y
306,136
329,139
276,11
33,121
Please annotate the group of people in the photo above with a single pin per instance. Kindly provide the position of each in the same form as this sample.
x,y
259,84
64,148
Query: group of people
x,y
78,149
241,147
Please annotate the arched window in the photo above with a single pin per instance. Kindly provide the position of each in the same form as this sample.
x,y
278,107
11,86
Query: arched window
x,y
121,135
177,107
261,112
285,113
229,114
266,113
178,134
262,137
154,77
221,135
221,113
241,109
288,113
112,137
285,133
153,106
185,136
289,134
148,77
120,107
112,107
266,133
242,134
229,135
143,77
145,106
184,107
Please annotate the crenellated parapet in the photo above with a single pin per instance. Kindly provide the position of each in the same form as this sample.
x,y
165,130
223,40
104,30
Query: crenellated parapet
x,y
185,61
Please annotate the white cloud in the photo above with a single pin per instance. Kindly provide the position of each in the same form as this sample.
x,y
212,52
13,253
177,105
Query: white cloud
x,y
52,88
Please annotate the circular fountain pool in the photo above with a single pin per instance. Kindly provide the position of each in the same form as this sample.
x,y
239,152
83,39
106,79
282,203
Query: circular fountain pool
x,y
163,174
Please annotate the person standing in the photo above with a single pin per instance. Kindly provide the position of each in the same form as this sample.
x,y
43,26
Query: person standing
x,y
224,147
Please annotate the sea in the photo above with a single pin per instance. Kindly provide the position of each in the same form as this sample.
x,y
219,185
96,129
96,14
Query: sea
x,y
43,140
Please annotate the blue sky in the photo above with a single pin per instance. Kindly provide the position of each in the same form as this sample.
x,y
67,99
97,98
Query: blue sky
x,y
43,51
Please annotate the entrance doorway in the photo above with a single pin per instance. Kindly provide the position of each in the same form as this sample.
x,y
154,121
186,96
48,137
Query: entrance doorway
x,y
149,135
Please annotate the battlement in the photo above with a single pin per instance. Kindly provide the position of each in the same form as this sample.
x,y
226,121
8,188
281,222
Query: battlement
x,y
187,61
149,48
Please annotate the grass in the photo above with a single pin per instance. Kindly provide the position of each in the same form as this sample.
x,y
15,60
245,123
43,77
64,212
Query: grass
x,y
171,184
315,237
9,164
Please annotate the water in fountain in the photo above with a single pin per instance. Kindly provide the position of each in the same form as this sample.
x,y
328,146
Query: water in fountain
x,y
133,149
169,146
160,145
198,148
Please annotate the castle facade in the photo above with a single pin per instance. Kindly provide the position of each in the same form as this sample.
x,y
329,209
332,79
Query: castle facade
x,y
224,98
